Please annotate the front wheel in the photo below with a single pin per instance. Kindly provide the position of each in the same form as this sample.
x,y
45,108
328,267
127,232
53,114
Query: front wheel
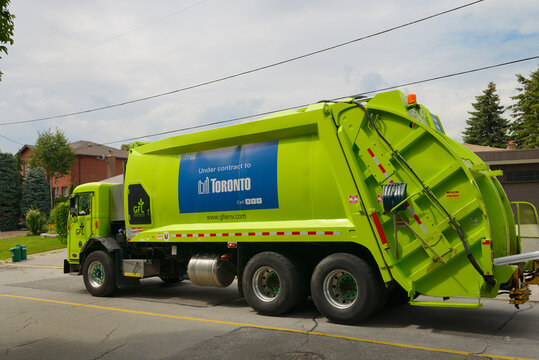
x,y
272,283
345,289
99,274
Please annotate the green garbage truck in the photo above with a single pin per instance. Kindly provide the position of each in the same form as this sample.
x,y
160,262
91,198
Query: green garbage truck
x,y
356,203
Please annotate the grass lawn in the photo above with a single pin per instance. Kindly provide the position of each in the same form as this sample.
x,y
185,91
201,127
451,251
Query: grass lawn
x,y
34,244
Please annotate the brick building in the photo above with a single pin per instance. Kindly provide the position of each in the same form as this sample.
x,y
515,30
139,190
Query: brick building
x,y
520,168
93,162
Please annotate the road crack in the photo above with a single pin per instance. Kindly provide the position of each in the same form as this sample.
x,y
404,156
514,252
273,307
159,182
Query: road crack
x,y
315,324
109,351
28,322
109,334
512,316
22,345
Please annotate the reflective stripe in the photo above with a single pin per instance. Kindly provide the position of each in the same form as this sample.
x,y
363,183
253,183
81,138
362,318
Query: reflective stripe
x,y
265,233
380,230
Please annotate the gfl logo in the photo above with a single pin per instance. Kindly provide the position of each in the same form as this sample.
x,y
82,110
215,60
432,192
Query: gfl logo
x,y
139,208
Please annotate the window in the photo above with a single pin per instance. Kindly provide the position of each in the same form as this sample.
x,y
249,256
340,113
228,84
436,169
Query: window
x,y
520,176
81,204
64,191
56,192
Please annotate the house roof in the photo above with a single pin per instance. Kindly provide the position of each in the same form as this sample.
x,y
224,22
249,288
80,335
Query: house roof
x,y
25,147
89,148
118,179
480,148
497,156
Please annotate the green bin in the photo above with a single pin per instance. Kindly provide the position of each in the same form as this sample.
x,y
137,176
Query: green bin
x,y
23,252
16,254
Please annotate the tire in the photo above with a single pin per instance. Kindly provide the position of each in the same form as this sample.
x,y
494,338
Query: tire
x,y
100,274
345,289
272,284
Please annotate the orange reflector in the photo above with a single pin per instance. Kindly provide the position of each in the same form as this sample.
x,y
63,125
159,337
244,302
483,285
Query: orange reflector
x,y
412,99
232,245
95,224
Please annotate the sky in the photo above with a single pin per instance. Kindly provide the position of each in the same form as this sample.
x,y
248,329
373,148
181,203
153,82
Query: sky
x,y
72,56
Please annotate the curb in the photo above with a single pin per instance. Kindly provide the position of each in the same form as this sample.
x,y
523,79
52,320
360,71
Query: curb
x,y
49,236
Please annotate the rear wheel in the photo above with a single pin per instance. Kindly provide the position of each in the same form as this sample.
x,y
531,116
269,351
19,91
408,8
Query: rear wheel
x,y
272,284
345,289
99,274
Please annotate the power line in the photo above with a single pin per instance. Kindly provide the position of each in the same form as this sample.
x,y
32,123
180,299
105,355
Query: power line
x,y
108,40
337,98
191,87
15,141
451,75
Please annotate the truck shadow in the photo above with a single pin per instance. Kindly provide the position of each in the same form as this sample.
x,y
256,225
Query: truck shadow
x,y
496,318
183,293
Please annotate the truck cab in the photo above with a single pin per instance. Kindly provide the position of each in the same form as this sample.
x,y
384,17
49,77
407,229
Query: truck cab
x,y
94,217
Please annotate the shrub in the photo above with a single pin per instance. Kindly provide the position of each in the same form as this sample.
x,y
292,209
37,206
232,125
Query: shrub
x,y
59,216
35,221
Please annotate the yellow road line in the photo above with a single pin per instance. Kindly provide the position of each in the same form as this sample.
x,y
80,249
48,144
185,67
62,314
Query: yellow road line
x,y
336,336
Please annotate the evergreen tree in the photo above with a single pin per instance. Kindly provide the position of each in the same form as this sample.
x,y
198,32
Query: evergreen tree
x,y
36,192
486,126
525,128
10,192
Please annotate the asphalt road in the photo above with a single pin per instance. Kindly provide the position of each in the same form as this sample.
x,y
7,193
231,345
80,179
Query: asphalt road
x,y
45,314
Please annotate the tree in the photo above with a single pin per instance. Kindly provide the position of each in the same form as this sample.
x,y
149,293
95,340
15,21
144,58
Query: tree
x,y
53,153
486,126
525,127
60,215
35,192
6,27
10,193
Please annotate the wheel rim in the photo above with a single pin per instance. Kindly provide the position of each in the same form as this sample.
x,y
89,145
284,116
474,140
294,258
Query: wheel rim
x,y
340,288
96,274
266,284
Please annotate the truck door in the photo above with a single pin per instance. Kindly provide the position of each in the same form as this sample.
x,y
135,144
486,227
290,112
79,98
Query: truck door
x,y
80,228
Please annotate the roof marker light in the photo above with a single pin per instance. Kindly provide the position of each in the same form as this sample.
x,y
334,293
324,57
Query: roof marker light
x,y
412,99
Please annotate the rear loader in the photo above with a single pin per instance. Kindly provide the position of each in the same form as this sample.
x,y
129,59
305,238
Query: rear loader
x,y
355,203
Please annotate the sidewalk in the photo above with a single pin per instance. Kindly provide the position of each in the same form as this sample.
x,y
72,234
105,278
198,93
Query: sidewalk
x,y
50,259
12,234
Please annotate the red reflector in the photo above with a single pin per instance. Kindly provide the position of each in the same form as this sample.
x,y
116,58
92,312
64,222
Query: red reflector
x,y
412,99
225,256
95,224
380,230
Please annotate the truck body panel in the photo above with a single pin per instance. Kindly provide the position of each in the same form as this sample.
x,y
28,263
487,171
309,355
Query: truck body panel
x,y
310,183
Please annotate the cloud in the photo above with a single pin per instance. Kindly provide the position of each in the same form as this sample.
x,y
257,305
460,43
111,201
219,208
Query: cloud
x,y
55,66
